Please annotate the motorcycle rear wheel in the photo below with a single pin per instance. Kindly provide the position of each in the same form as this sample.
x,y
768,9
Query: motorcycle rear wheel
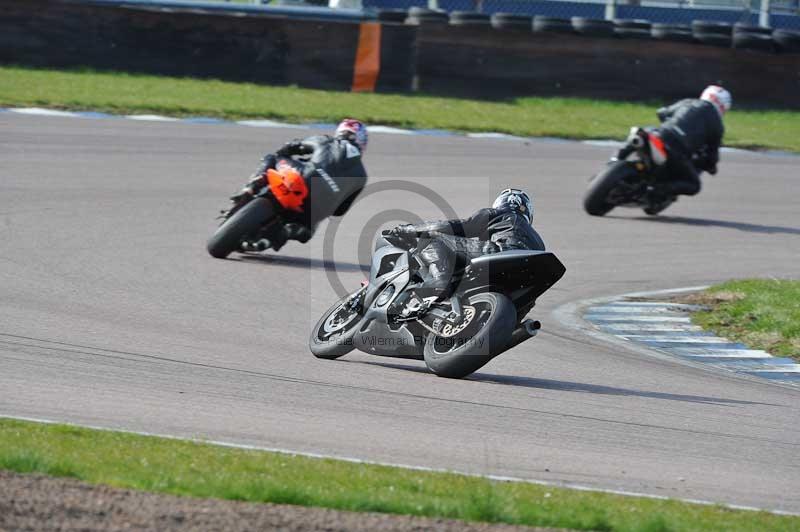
x,y
483,338
595,201
247,220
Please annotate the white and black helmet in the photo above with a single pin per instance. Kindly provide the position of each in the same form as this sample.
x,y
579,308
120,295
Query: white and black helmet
x,y
515,200
719,97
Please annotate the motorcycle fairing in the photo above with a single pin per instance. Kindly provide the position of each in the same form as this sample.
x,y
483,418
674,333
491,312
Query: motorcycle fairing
x,y
390,272
517,272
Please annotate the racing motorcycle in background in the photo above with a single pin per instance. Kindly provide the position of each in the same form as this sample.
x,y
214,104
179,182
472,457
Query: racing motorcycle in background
x,y
637,182
295,193
480,316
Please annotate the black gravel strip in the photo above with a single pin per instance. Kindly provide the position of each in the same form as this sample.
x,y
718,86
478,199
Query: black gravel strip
x,y
36,502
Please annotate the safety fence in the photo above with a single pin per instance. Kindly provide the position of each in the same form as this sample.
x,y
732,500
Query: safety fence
x,y
467,54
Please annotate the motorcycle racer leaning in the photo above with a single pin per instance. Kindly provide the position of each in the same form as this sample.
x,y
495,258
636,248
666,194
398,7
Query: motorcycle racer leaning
x,y
338,156
691,131
504,226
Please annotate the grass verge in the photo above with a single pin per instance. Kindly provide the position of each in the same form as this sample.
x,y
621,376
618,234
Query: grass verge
x,y
760,313
555,117
202,470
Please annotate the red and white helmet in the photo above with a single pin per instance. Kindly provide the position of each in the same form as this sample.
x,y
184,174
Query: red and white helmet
x,y
354,131
718,96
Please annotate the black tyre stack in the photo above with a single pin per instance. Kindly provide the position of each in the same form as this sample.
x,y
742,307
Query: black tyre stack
x,y
421,15
593,27
672,32
512,22
712,33
469,18
552,24
632,29
753,38
391,15
787,41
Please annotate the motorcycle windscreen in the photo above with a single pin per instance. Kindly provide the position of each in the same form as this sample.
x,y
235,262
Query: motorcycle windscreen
x,y
517,269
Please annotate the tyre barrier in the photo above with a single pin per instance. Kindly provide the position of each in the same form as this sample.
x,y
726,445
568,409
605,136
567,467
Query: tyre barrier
x,y
747,28
787,40
751,40
391,15
672,32
469,18
552,24
421,15
593,27
512,21
713,33
632,29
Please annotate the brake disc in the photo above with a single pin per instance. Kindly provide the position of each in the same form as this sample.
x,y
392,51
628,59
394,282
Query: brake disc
x,y
448,330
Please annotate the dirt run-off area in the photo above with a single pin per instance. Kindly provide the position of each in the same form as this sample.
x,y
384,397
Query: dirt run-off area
x,y
37,502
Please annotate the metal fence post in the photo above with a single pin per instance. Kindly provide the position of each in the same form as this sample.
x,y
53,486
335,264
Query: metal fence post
x,y
611,9
763,17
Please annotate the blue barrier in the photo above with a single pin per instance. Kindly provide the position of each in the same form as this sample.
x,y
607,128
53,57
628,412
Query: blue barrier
x,y
672,15
308,12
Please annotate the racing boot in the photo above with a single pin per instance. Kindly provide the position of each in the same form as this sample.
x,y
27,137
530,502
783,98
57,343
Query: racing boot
x,y
299,232
658,200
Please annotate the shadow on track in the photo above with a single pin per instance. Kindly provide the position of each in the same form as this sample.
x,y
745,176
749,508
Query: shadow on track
x,y
548,384
304,262
704,222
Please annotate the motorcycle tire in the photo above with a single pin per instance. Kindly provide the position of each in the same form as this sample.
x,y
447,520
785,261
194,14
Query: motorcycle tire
x,y
477,350
595,200
228,236
343,344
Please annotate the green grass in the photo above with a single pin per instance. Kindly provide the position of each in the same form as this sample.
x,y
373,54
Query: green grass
x,y
557,117
201,470
763,314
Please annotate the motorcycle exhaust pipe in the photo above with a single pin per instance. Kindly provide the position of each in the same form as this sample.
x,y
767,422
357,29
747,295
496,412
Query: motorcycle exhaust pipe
x,y
526,330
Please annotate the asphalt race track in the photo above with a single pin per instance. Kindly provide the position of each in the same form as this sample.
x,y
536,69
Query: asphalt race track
x,y
113,314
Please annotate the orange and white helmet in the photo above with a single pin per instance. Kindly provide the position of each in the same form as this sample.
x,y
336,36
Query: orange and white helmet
x,y
718,96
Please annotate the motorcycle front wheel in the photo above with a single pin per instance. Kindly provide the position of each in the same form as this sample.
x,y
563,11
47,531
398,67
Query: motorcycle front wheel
x,y
332,336
247,220
485,331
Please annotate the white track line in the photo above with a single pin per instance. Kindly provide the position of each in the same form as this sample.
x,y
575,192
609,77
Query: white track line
x,y
664,327
373,128
151,118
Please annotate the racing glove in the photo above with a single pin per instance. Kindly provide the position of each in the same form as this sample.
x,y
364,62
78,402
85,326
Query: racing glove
x,y
295,147
403,230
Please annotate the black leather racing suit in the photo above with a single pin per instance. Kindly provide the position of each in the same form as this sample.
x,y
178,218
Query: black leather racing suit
x,y
486,231
337,157
692,132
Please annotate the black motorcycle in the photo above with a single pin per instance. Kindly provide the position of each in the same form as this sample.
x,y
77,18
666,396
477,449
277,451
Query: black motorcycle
x,y
480,316
635,182
296,192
